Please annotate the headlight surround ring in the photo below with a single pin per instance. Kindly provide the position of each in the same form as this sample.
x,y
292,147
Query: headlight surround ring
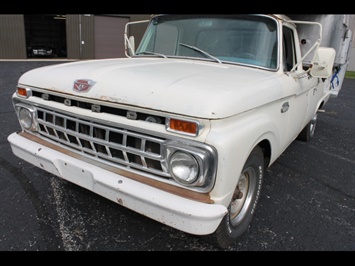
x,y
184,167
26,116
191,164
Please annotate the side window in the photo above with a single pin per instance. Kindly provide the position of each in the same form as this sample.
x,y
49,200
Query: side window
x,y
288,49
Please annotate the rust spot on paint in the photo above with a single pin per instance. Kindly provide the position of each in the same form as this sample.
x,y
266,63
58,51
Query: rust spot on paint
x,y
120,201
110,99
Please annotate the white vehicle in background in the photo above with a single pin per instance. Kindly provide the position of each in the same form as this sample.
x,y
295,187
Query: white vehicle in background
x,y
40,51
182,130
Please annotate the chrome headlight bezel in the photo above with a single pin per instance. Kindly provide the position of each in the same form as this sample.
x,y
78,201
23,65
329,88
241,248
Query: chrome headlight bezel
x,y
23,110
202,155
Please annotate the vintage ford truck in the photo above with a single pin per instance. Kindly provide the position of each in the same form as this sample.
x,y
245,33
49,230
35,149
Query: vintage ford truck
x,y
181,130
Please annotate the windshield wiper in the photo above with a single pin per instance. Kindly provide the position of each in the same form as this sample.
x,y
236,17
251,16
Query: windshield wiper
x,y
200,51
151,53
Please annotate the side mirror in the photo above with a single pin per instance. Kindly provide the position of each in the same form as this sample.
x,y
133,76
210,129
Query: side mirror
x,y
130,49
131,46
322,63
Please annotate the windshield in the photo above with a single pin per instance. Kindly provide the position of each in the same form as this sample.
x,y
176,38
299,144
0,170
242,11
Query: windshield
x,y
241,39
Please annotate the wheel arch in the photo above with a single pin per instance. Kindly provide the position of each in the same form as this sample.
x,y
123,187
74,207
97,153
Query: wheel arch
x,y
266,149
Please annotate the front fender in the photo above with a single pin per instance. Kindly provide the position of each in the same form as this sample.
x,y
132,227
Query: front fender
x,y
234,139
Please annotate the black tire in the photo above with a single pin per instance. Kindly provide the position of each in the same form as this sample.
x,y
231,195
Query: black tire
x,y
244,201
307,132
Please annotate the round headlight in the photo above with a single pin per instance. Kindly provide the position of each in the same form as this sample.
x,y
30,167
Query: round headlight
x,y
184,167
25,117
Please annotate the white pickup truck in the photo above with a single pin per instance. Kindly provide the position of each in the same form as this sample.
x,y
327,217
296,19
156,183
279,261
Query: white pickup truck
x,y
182,130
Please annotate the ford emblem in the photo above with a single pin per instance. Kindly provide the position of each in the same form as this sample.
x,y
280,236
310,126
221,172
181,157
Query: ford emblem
x,y
83,85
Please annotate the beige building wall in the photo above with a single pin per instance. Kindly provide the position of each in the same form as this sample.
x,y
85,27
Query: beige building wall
x,y
12,37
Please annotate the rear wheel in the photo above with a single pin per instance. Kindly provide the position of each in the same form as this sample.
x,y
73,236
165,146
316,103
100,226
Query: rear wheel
x,y
243,203
308,132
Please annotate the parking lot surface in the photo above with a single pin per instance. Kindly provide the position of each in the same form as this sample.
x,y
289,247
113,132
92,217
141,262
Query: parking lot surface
x,y
306,204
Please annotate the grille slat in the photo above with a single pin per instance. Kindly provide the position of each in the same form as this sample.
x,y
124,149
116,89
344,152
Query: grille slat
x,y
105,142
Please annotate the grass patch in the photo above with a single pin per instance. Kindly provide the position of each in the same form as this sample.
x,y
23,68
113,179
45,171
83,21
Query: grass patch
x,y
350,74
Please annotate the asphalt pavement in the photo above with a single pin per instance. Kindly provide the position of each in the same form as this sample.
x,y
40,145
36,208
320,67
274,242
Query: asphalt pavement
x,y
306,204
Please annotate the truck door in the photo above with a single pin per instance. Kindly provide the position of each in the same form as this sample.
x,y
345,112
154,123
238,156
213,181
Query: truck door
x,y
295,104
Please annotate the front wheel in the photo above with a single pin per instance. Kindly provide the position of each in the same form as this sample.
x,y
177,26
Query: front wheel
x,y
243,203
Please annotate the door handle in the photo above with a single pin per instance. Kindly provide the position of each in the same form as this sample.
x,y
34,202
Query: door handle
x,y
285,107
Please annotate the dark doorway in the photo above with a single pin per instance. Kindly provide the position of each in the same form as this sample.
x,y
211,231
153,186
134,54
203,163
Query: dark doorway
x,y
46,36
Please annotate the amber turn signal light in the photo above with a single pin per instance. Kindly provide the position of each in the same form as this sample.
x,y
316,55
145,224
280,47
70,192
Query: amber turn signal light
x,y
183,126
23,92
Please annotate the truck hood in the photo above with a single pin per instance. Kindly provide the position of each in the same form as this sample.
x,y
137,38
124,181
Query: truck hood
x,y
186,87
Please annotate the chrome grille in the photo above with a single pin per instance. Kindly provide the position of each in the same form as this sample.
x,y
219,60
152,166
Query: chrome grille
x,y
105,142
